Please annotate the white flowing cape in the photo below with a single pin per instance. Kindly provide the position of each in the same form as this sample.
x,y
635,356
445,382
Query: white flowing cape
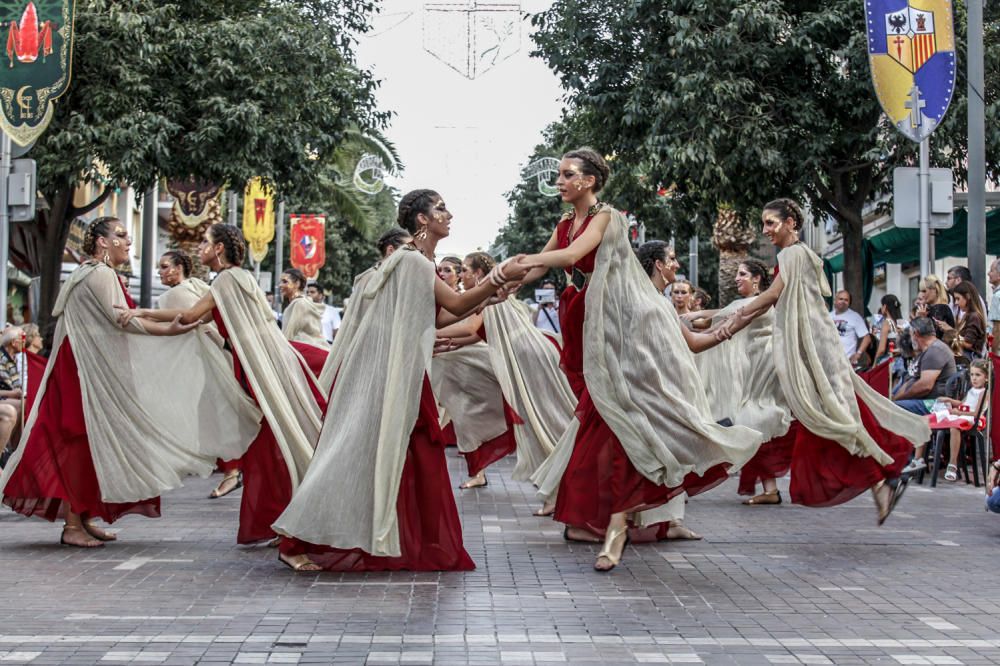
x,y
155,408
526,365
378,360
467,388
183,296
815,376
302,321
273,367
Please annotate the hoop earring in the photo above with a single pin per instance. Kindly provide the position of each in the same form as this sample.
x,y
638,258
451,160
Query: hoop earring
x,y
107,258
421,235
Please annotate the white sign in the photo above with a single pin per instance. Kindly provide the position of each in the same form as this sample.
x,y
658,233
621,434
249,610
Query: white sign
x,y
906,198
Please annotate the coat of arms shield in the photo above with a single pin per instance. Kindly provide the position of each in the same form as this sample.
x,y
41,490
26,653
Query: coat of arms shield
x,y
35,69
911,50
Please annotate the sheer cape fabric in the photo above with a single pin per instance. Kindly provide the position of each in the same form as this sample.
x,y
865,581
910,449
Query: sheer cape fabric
x,y
183,296
380,355
642,376
741,382
816,378
354,307
273,368
526,365
156,409
302,321
467,388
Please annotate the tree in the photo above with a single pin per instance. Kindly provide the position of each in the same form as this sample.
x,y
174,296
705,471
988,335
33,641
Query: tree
x,y
735,102
223,90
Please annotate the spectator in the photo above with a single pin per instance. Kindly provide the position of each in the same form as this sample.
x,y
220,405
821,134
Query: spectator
x,y
933,291
961,413
852,328
935,365
944,323
11,346
993,488
680,296
890,323
971,340
331,318
547,315
994,314
392,240
32,338
958,275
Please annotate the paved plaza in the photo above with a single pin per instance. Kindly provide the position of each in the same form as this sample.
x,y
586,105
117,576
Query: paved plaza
x,y
768,585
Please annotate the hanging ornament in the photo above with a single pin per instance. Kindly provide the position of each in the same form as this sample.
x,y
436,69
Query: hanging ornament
x,y
546,169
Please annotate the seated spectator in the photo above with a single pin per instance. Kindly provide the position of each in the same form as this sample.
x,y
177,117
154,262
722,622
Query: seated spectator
x,y
959,415
852,328
32,338
944,323
993,488
935,365
970,338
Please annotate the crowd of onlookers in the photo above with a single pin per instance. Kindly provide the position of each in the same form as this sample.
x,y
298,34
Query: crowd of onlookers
x,y
16,343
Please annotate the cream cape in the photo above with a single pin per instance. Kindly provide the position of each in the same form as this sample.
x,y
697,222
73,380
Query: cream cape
x,y
815,376
468,390
183,296
326,377
526,365
379,358
274,369
740,379
302,321
155,408
641,374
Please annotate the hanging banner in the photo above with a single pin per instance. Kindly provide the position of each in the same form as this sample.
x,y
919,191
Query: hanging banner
x,y
911,50
308,236
546,169
258,219
36,69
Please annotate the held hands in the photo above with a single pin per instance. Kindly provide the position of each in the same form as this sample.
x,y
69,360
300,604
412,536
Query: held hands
x,y
176,327
443,345
125,315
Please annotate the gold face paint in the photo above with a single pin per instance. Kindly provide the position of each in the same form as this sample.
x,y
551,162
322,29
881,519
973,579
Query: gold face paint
x,y
116,243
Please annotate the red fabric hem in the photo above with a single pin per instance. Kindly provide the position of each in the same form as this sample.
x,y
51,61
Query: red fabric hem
x,y
497,448
772,461
315,357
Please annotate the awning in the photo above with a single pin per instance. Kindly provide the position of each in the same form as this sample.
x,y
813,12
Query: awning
x,y
899,246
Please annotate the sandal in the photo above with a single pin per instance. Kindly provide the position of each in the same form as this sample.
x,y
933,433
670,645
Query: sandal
x,y
764,498
301,566
216,494
470,484
951,474
546,511
896,489
94,542
606,553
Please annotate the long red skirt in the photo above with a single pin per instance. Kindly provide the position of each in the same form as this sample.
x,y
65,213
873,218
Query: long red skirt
x,y
497,448
314,356
600,480
772,461
430,533
56,473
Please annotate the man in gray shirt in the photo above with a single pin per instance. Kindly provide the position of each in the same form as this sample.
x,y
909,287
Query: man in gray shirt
x,y
935,365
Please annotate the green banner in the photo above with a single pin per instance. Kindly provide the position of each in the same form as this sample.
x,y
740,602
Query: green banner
x,y
35,66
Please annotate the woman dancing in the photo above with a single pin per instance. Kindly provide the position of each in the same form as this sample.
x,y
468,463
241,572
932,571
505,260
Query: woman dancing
x,y
302,321
850,439
377,495
112,449
268,369
645,429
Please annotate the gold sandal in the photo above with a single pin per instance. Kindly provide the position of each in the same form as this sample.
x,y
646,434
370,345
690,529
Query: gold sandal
x,y
609,540
764,498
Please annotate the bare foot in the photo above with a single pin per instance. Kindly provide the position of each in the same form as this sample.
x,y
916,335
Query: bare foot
x,y
78,537
682,532
228,484
299,563
546,510
99,533
580,534
477,481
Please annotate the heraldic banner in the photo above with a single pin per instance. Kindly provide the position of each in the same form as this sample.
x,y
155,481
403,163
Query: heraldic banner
x,y
308,241
258,219
911,50
36,69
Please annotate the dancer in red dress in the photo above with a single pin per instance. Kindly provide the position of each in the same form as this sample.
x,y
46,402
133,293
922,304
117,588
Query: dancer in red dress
x,y
268,370
645,432
113,449
377,495
849,438
302,321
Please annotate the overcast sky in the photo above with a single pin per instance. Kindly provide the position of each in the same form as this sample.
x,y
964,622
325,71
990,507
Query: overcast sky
x,y
465,138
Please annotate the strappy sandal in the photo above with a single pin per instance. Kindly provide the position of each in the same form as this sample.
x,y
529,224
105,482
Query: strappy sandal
x,y
896,489
215,494
951,473
609,541
764,498
301,566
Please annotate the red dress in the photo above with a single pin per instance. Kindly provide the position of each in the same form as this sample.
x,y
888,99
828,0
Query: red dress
x,y
600,480
315,357
430,533
56,472
267,485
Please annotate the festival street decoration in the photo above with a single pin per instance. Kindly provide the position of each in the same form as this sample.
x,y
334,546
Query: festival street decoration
x,y
308,234
545,169
369,174
258,219
472,37
197,206
36,67
911,50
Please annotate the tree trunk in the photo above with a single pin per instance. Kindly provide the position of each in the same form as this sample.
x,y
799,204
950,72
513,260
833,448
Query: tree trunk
x,y
729,264
50,270
853,234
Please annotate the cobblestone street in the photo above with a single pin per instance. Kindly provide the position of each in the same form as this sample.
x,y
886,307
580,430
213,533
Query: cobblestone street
x,y
768,585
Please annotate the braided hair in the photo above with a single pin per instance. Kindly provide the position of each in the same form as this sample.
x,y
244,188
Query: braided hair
x,y
649,253
591,164
787,208
393,238
233,244
480,261
758,269
413,204
99,228
179,259
298,277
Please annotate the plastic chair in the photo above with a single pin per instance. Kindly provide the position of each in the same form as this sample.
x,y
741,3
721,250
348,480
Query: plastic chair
x,y
976,438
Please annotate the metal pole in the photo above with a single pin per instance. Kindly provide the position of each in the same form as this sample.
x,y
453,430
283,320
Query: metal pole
x,y
146,258
977,148
924,184
4,221
279,253
693,261
234,202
